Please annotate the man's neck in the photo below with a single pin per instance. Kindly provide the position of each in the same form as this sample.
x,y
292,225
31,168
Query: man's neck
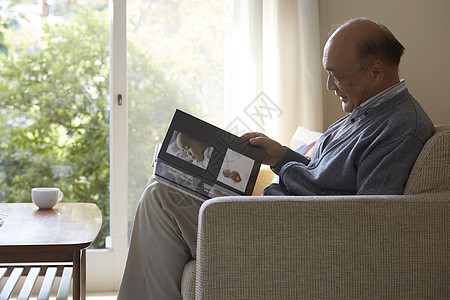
x,y
389,80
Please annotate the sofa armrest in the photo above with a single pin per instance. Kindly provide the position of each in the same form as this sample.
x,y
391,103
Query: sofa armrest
x,y
338,247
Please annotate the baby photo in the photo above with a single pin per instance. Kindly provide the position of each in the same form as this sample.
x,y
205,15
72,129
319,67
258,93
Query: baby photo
x,y
235,170
183,179
178,176
218,191
189,149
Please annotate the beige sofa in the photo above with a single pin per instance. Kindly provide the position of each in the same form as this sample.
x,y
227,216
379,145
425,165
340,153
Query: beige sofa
x,y
334,247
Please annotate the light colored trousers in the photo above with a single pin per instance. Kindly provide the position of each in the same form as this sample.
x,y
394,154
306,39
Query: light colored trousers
x,y
163,240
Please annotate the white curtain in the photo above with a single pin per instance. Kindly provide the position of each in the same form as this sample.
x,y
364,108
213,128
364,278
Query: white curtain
x,y
275,77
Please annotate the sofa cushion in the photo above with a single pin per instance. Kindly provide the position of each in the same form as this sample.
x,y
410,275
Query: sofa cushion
x,y
430,173
188,281
304,140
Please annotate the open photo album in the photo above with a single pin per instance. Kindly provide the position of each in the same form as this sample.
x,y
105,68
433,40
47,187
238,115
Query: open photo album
x,y
205,161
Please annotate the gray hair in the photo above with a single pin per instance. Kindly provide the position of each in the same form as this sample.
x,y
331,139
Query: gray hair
x,y
382,44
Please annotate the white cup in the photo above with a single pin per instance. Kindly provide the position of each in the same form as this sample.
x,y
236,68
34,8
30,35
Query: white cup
x,y
46,198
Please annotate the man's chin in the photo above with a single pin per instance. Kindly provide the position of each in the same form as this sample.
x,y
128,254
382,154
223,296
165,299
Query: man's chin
x,y
346,107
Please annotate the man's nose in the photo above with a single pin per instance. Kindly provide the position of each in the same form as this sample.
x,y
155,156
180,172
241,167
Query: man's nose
x,y
331,86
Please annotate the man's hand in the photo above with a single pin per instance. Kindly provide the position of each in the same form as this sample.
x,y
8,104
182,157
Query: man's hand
x,y
274,150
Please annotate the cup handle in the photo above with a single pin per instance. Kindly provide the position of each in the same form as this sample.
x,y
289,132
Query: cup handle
x,y
61,196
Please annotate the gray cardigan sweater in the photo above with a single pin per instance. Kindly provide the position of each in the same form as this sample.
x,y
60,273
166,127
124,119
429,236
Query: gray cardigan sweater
x,y
374,157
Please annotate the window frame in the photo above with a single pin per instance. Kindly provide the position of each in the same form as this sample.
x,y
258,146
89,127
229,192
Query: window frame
x,y
105,266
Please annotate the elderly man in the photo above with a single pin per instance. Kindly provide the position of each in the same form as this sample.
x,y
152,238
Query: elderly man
x,y
369,151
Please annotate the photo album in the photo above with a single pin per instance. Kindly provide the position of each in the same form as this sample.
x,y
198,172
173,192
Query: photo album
x,y
205,161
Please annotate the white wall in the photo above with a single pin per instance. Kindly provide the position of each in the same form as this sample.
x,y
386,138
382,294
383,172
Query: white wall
x,y
423,27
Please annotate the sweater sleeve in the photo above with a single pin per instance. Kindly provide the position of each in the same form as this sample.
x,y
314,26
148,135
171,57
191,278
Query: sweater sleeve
x,y
279,189
290,155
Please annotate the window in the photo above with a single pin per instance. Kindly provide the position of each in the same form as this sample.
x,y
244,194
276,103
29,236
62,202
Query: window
x,y
61,123
176,58
54,115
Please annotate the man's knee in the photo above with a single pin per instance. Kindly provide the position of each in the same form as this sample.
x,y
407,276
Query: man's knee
x,y
151,197
166,197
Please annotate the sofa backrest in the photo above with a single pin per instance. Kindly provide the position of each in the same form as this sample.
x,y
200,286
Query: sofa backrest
x,y
431,171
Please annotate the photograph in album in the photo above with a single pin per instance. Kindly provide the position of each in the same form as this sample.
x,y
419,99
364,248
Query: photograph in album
x,y
205,161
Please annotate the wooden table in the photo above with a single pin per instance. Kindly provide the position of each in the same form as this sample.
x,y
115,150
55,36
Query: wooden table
x,y
31,237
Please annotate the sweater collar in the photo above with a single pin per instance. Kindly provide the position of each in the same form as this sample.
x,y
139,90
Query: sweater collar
x,y
379,99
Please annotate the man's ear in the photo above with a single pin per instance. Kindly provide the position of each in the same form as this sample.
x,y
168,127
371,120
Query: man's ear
x,y
377,69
